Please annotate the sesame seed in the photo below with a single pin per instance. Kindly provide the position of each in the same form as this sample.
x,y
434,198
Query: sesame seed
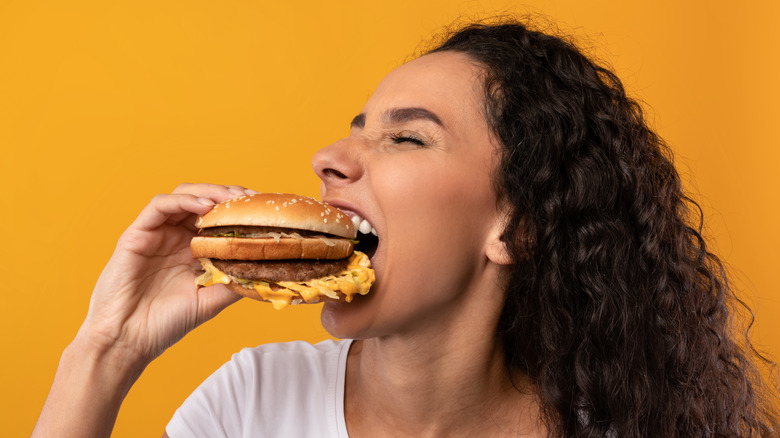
x,y
277,208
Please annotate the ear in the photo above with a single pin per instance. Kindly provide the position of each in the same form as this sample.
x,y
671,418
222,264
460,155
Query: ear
x,y
495,248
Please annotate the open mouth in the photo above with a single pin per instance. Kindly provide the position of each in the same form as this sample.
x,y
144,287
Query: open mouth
x,y
366,237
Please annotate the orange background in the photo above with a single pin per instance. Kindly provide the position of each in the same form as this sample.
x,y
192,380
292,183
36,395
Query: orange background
x,y
104,104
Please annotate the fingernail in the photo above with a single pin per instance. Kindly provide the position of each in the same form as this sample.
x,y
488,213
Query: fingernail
x,y
236,192
205,201
251,192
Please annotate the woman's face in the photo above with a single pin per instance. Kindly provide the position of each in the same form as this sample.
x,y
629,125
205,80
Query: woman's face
x,y
417,166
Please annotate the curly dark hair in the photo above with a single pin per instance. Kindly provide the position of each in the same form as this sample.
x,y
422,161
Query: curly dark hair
x,y
615,308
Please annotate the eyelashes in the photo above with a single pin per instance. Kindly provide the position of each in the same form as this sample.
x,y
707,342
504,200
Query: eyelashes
x,y
407,138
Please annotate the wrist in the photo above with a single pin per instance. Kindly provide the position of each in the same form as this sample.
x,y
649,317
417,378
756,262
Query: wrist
x,y
88,389
112,365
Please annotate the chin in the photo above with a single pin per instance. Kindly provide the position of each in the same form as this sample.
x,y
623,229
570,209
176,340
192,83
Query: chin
x,y
352,321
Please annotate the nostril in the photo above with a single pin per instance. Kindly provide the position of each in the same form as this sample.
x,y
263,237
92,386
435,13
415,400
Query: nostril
x,y
333,172
338,163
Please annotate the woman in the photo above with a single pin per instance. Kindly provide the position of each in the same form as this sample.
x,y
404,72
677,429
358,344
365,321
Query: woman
x,y
537,274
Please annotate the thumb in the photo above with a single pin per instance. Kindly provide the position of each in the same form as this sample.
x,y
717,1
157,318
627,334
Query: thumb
x,y
214,299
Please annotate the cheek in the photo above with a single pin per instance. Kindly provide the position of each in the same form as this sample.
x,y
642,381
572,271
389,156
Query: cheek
x,y
429,192
437,215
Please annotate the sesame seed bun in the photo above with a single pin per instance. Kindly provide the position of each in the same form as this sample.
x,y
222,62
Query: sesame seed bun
x,y
280,210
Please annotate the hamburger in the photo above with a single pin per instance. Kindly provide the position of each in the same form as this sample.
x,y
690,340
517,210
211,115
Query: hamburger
x,y
281,248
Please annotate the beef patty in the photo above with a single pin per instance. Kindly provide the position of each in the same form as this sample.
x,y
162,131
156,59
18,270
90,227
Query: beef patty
x,y
281,270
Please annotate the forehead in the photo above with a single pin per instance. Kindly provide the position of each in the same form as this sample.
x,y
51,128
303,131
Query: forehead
x,y
447,83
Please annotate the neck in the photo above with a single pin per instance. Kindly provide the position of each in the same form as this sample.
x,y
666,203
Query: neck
x,y
450,380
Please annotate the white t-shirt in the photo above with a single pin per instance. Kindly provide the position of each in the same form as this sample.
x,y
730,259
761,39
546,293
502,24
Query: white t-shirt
x,y
289,390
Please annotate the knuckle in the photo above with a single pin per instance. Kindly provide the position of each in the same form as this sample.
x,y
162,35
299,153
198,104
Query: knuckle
x,y
183,187
159,198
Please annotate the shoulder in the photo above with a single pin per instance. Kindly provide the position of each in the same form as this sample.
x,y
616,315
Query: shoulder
x,y
265,389
290,369
287,357
283,350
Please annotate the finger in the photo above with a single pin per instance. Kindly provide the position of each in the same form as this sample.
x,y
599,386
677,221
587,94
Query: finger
x,y
171,209
215,192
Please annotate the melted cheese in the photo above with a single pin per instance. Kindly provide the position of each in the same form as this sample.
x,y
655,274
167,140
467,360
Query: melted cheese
x,y
279,298
356,278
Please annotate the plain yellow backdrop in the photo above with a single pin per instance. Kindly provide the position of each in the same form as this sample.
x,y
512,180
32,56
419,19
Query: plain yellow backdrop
x,y
105,104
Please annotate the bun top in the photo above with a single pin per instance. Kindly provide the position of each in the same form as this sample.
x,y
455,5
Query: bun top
x,y
281,210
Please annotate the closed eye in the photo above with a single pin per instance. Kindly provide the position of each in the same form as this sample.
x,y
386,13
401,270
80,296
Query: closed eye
x,y
405,138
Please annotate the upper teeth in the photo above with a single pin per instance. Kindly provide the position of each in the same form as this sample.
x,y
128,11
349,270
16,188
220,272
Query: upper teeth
x,y
362,225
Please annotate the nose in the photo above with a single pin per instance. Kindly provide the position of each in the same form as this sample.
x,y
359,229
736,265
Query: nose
x,y
338,164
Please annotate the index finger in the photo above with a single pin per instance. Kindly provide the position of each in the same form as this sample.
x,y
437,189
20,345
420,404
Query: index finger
x,y
216,192
171,209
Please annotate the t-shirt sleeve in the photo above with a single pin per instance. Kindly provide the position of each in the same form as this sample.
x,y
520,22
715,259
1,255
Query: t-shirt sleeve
x,y
215,408
286,390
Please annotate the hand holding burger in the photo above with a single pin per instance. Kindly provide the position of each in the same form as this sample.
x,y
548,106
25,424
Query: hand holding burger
x,y
282,248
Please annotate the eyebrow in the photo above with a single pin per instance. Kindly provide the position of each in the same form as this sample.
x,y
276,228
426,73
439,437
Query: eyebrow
x,y
400,115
